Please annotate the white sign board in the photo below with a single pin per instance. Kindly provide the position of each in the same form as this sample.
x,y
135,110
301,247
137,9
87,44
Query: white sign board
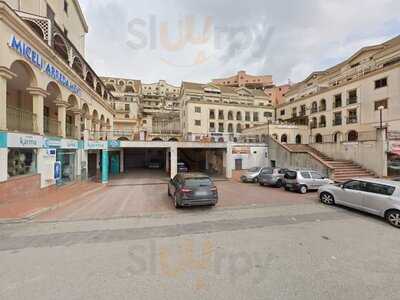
x,y
16,140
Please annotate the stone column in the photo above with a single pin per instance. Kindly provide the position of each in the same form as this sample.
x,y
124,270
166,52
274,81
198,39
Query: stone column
x,y
229,161
38,96
121,161
167,161
62,113
174,161
77,122
5,74
3,163
95,124
88,127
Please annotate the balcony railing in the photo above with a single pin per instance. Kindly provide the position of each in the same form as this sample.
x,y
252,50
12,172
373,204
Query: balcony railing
x,y
51,126
337,122
314,110
351,100
71,130
21,120
352,120
337,104
322,108
322,125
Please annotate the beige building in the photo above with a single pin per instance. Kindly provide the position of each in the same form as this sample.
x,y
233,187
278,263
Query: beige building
x,y
54,109
242,79
345,102
220,113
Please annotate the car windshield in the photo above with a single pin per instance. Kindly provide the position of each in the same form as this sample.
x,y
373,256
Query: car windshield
x,y
196,182
255,169
267,171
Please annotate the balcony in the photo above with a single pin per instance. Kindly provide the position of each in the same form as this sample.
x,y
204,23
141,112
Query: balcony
x,y
322,125
352,120
337,122
51,126
352,100
21,120
314,110
337,104
322,108
71,131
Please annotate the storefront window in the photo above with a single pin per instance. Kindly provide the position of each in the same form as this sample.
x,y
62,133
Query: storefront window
x,y
67,159
21,162
393,165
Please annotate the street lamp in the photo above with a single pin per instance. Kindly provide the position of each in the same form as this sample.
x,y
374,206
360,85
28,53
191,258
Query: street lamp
x,y
310,124
381,108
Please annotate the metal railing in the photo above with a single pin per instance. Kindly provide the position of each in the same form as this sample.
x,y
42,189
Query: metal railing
x,y
337,122
352,120
21,120
51,126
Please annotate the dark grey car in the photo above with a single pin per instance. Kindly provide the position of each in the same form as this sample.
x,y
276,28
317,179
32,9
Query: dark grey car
x,y
192,189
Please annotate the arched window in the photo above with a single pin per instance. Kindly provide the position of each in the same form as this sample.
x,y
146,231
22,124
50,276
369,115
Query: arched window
x,y
322,121
238,128
322,105
239,116
60,47
230,115
98,88
77,66
314,107
337,137
284,138
314,123
318,138
230,127
298,139
352,136
89,79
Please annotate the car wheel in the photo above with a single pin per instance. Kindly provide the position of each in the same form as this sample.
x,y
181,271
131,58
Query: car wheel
x,y
393,217
303,189
176,204
255,180
327,198
279,184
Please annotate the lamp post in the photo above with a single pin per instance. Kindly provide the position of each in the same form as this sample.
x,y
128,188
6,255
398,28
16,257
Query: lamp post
x,y
310,125
381,108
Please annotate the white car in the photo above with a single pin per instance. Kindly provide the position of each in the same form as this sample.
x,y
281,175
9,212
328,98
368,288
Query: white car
x,y
376,196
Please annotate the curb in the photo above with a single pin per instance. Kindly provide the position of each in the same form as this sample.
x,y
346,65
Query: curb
x,y
44,210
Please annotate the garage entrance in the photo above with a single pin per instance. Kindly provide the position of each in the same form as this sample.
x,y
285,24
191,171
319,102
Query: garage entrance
x,y
138,158
209,161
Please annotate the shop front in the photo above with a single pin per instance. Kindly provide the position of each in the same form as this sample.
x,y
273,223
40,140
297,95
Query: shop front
x,y
97,160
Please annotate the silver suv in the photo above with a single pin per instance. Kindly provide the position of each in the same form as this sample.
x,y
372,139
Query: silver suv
x,y
272,177
251,175
376,196
302,180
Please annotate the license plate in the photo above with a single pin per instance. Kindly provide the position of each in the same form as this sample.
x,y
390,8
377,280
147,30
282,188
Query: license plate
x,y
201,193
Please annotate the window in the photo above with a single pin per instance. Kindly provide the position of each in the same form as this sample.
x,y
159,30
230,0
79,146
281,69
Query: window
x,y
220,127
352,136
380,189
255,117
126,107
380,83
197,109
21,162
221,115
197,122
126,116
316,175
337,119
247,126
230,115
352,117
230,128
282,112
352,97
247,116
338,101
353,185
380,103
66,6
212,125
267,114
305,175
212,114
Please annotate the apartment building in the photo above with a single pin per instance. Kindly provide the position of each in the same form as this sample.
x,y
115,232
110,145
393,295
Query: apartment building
x,y
348,101
54,109
220,113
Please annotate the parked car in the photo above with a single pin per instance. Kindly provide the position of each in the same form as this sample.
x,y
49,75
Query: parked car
x,y
154,164
251,175
182,168
272,177
376,196
302,180
192,189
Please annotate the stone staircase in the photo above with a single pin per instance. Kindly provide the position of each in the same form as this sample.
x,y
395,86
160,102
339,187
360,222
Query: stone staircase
x,y
342,170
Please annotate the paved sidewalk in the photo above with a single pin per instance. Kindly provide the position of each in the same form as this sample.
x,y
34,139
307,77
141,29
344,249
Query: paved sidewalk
x,y
45,200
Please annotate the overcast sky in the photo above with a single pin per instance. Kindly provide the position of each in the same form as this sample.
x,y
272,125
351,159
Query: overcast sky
x,y
198,40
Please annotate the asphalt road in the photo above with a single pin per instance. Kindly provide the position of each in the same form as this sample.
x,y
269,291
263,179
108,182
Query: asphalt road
x,y
299,251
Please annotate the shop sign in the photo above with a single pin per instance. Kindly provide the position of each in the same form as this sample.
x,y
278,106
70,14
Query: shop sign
x,y
16,140
51,143
57,170
33,56
241,150
95,145
114,144
3,140
69,144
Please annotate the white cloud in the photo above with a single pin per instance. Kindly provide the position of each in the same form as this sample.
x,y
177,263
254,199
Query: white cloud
x,y
288,39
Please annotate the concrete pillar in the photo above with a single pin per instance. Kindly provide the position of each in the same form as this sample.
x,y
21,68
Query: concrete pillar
x,y
5,74
167,161
105,167
383,148
3,164
38,96
77,123
95,126
88,127
229,161
121,161
174,161
62,113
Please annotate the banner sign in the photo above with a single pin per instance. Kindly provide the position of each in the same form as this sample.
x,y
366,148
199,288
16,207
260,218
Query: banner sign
x,y
16,140
96,145
33,56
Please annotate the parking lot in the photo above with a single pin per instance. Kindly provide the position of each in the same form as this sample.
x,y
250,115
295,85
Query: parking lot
x,y
145,192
